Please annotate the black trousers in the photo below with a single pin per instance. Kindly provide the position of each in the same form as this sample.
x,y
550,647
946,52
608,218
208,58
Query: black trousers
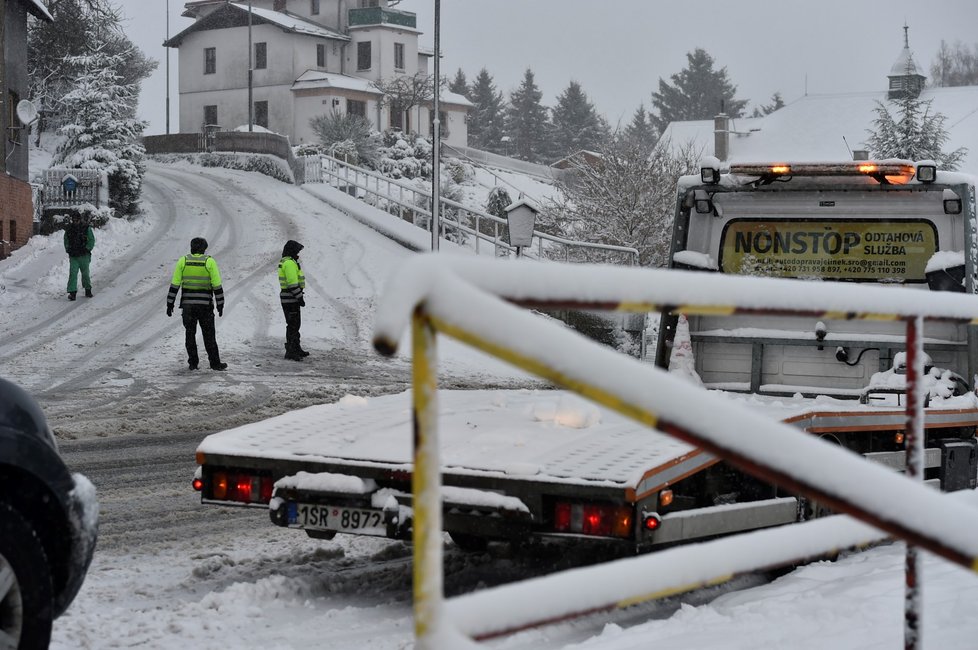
x,y
204,316
293,321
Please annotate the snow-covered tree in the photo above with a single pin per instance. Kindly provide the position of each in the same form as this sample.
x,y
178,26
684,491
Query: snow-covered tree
x,y
906,128
79,27
404,156
402,93
354,131
527,121
697,92
627,198
497,202
486,119
101,131
640,128
577,125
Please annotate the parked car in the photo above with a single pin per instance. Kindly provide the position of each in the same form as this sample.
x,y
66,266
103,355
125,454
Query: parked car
x,y
48,524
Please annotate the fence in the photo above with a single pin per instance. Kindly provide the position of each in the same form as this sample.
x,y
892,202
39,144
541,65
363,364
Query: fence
x,y
436,295
460,222
66,188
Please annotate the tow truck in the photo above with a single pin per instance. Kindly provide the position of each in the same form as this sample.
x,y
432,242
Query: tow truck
x,y
523,465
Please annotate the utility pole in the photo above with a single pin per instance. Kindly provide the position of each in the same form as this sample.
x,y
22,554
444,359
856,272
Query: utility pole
x,y
251,73
168,68
436,148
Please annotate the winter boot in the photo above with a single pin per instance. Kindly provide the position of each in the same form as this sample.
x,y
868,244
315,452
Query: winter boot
x,y
72,294
88,292
219,366
303,353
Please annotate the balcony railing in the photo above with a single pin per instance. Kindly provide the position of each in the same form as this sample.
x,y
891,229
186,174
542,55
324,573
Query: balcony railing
x,y
382,16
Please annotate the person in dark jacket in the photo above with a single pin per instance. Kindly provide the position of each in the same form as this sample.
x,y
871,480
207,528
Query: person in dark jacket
x,y
292,282
79,241
199,279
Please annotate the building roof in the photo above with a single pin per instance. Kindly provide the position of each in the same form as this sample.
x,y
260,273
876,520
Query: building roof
x,y
232,12
38,10
318,79
826,127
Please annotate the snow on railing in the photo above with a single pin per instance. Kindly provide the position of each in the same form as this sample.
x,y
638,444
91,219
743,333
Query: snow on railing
x,y
478,302
460,222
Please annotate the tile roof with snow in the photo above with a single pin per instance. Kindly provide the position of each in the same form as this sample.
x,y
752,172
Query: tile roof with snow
x,y
286,21
318,79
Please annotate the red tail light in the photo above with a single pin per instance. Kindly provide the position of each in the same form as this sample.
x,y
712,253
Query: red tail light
x,y
240,487
198,484
600,520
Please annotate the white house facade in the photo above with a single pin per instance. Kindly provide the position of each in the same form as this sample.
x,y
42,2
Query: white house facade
x,y
309,58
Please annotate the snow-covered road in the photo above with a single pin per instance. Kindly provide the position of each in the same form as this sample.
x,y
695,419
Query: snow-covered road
x,y
170,574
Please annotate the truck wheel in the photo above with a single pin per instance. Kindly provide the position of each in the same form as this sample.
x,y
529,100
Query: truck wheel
x,y
26,596
469,543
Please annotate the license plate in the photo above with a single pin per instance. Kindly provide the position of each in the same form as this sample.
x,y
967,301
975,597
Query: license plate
x,y
344,520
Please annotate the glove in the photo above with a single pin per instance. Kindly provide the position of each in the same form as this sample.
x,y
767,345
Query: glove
x,y
169,310
302,302
220,311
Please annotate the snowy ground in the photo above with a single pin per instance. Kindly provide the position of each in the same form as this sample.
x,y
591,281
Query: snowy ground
x,y
113,367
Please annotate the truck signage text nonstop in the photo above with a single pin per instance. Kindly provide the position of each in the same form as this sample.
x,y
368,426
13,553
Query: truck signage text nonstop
x,y
511,474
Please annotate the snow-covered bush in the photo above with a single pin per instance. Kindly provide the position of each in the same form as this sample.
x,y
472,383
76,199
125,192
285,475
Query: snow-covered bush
x,y
459,171
266,164
498,201
405,156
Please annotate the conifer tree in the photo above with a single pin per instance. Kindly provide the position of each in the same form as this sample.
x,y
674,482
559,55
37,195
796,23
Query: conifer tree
x,y
528,122
777,102
697,92
487,118
640,129
906,128
577,125
459,84
103,132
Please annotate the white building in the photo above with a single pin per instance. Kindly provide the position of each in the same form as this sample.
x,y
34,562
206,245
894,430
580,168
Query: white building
x,y
309,58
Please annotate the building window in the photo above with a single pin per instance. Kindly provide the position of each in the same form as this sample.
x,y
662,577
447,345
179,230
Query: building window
x,y
210,114
12,231
368,3
261,56
321,55
397,119
261,114
356,107
314,7
210,60
399,56
363,56
443,126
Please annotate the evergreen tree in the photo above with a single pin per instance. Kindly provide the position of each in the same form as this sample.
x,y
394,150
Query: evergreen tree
x,y
697,92
777,102
911,132
640,129
80,27
459,84
576,124
527,122
103,132
487,118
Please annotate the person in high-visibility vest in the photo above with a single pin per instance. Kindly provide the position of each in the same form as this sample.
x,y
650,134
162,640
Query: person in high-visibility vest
x,y
199,279
292,282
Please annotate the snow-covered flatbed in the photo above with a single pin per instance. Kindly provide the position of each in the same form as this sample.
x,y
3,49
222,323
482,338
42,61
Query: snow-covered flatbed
x,y
543,436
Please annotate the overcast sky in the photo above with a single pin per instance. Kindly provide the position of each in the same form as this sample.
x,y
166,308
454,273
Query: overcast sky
x,y
619,49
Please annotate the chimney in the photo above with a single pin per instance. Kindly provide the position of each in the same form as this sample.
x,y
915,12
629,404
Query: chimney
x,y
721,136
279,5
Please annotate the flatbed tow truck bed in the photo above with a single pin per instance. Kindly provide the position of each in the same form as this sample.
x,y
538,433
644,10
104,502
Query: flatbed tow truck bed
x,y
519,463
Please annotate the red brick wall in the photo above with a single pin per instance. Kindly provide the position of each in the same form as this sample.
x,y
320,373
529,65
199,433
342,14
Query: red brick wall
x,y
15,206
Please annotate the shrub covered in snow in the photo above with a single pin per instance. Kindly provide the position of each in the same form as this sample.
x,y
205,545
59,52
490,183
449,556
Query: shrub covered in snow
x,y
346,136
405,156
266,164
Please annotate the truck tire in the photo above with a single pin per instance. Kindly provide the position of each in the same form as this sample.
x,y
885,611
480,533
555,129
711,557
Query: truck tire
x,y
26,593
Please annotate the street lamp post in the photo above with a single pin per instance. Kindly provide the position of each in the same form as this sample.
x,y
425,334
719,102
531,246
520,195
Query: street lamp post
x,y
168,68
436,149
251,72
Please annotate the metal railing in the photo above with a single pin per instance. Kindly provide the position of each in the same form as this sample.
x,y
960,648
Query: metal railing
x,y
433,295
459,223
